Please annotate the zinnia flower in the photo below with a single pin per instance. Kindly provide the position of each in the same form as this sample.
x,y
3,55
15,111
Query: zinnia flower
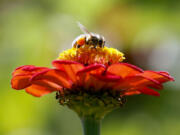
x,y
90,81
93,73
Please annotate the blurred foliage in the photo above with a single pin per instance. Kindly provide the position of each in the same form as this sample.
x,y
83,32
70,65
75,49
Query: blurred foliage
x,y
35,31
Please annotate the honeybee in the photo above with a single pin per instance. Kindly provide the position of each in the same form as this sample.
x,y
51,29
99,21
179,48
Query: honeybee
x,y
88,39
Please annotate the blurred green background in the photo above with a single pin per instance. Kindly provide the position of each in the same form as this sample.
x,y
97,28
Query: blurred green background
x,y
35,31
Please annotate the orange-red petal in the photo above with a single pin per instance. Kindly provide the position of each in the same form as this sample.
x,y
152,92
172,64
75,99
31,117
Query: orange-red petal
x,y
105,81
136,82
39,89
159,76
148,91
70,67
129,93
19,82
93,69
21,76
108,78
124,69
53,76
84,74
144,90
27,69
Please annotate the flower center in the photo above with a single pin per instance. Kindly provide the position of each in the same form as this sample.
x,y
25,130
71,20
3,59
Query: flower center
x,y
89,55
89,103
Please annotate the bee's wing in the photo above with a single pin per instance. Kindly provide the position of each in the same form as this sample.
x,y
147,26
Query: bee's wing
x,y
83,29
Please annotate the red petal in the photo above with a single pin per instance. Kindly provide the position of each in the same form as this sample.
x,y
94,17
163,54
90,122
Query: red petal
x,y
20,81
92,83
84,74
55,76
159,76
100,82
70,67
21,76
39,89
48,84
129,93
124,69
135,82
93,69
104,81
149,91
27,69
147,81
108,78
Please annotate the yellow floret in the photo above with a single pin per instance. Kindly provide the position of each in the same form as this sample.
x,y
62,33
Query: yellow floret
x,y
88,55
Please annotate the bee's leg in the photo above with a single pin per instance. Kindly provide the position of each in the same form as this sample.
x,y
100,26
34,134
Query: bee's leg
x,y
78,46
109,63
57,95
93,47
101,46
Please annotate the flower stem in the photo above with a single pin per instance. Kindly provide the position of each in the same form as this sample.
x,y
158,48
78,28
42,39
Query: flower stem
x,y
91,126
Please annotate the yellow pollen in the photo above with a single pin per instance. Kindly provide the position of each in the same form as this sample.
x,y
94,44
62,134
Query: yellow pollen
x,y
88,55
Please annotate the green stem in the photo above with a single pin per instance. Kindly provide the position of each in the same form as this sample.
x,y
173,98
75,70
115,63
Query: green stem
x,y
91,126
